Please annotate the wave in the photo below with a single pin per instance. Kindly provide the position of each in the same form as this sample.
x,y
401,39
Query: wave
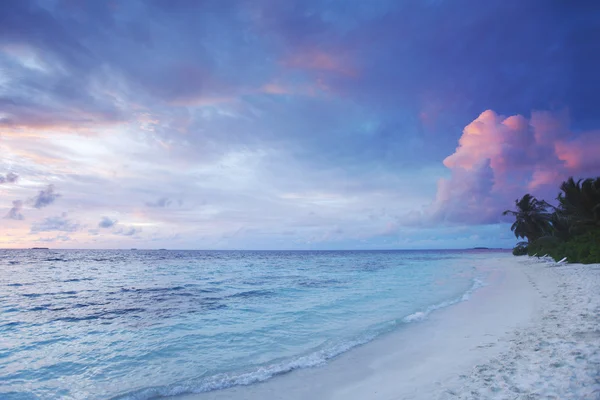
x,y
112,314
78,279
265,372
32,295
421,315
260,374
251,293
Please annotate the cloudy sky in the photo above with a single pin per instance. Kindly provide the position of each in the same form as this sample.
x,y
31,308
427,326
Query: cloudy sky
x,y
300,124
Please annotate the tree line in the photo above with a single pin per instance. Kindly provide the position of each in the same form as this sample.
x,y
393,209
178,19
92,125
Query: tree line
x,y
570,230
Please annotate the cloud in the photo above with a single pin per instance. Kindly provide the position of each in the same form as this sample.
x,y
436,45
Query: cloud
x,y
163,202
356,100
59,223
581,153
127,231
51,84
11,177
118,229
15,211
67,73
106,222
499,159
61,238
319,60
45,197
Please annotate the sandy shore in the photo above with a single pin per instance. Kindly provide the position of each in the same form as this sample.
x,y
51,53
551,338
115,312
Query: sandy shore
x,y
533,332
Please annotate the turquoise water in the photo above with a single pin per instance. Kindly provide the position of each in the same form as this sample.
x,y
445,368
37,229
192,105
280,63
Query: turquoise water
x,y
78,324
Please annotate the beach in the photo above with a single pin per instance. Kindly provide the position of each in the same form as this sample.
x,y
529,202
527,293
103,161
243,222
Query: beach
x,y
531,332
215,325
113,324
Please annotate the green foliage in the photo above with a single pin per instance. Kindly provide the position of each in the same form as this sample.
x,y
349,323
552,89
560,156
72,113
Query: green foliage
x,y
584,248
572,230
547,246
580,202
520,249
532,219
543,246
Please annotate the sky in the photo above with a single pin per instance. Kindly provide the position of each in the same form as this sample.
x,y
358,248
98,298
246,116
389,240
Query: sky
x,y
299,124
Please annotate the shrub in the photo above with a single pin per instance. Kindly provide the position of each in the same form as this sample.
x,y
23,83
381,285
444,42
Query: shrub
x,y
520,249
546,245
584,248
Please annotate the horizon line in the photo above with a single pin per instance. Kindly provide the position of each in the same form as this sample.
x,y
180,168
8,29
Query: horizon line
x,y
175,249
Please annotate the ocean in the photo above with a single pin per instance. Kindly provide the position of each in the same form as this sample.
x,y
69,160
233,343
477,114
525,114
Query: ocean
x,y
125,324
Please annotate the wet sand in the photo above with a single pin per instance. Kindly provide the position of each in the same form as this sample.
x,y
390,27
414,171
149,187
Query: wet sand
x,y
532,332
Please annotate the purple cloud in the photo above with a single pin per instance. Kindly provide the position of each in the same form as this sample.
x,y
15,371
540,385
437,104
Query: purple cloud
x,y
59,223
163,202
45,197
324,113
11,177
127,231
15,211
500,159
61,238
106,222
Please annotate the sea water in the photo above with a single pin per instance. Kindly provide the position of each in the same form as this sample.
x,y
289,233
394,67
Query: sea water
x,y
97,324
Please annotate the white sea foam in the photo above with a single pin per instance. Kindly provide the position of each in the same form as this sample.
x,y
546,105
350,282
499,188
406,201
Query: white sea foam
x,y
421,315
265,372
533,335
193,319
260,374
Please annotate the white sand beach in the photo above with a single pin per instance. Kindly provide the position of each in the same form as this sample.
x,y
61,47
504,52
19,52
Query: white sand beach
x,y
533,332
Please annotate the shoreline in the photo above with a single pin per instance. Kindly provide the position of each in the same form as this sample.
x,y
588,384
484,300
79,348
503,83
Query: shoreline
x,y
515,337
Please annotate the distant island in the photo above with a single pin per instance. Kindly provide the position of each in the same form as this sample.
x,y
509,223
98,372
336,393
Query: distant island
x,y
481,248
40,248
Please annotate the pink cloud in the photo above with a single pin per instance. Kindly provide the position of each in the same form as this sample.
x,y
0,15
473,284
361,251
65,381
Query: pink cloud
x,y
302,89
319,60
581,153
275,88
499,159
545,177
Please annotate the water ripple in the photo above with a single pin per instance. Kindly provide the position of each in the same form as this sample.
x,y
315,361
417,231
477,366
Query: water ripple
x,y
97,324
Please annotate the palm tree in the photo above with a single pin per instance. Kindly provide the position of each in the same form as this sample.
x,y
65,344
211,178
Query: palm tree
x,y
561,225
580,203
532,218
